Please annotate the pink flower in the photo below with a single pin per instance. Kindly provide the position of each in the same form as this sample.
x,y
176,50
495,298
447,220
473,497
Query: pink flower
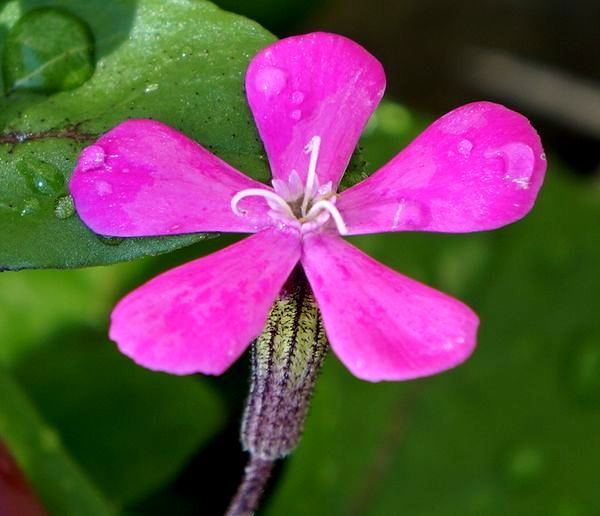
x,y
477,168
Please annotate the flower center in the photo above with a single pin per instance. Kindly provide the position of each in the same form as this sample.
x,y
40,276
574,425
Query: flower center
x,y
309,206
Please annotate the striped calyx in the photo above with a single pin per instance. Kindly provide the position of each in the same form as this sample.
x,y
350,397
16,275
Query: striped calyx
x,y
286,359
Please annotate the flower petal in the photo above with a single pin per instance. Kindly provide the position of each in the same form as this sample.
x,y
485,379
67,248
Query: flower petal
x,y
479,167
144,178
201,316
382,325
318,84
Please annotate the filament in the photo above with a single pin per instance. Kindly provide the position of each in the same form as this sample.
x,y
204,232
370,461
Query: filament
x,y
313,149
258,192
333,211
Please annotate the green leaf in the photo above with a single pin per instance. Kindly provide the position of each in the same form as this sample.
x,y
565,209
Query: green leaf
x,y
62,486
35,304
130,429
183,65
516,429
35,58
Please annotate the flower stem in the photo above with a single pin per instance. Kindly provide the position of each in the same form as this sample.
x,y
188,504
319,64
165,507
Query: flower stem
x,y
253,484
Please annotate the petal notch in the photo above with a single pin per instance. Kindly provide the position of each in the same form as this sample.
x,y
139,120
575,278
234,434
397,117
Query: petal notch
x,y
321,85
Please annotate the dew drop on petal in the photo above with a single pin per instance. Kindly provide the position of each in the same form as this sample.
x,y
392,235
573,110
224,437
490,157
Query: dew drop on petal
x,y
103,188
519,162
64,207
296,114
464,147
91,158
411,214
297,97
270,81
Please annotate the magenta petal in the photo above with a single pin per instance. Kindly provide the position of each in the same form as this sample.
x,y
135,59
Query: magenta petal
x,y
478,167
314,85
201,316
144,178
382,325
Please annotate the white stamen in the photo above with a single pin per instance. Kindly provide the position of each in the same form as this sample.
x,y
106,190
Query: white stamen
x,y
258,192
333,211
313,149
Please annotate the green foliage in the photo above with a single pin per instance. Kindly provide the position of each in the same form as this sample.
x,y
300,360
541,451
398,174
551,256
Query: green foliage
x,y
181,63
59,481
47,50
129,428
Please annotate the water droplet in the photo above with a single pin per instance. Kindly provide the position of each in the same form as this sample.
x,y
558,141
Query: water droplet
x,y
297,97
41,177
48,50
519,162
30,207
270,81
174,228
296,114
411,214
91,158
524,465
64,207
103,188
583,371
108,240
150,88
465,147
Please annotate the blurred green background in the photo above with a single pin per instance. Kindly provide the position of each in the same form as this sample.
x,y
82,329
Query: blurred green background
x,y
515,430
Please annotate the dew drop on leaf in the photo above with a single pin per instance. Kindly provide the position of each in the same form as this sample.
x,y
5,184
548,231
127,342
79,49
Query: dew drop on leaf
x,y
41,177
64,207
48,50
30,206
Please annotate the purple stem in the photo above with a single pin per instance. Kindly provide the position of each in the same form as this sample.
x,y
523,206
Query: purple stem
x,y
256,476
